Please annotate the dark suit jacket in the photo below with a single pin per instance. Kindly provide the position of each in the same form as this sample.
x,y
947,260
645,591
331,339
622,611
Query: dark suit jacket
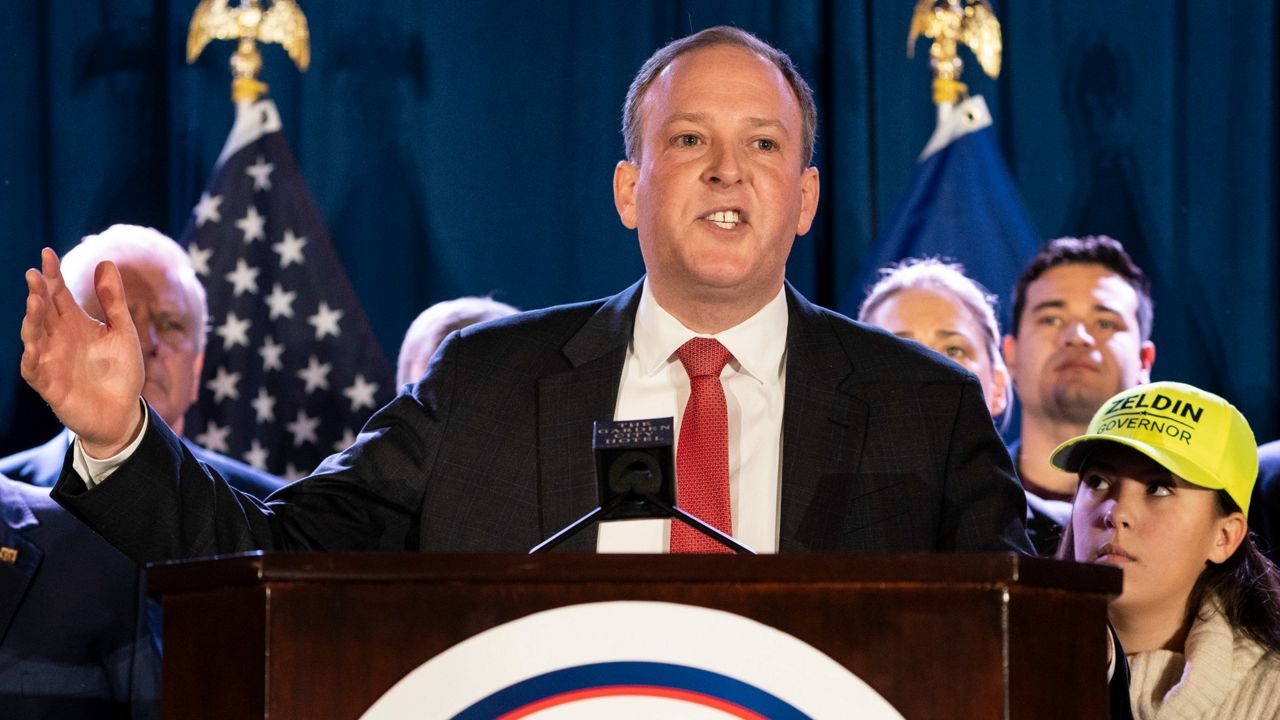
x,y
72,641
885,447
42,464
1264,506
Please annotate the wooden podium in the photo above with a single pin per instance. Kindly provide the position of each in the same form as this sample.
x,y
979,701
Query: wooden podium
x,y
324,635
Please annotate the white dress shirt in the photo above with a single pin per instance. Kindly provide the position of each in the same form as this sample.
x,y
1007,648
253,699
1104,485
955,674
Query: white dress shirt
x,y
655,385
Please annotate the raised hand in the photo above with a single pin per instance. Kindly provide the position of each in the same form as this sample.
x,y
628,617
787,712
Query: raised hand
x,y
90,372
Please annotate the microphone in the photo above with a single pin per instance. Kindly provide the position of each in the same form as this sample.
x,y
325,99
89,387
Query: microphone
x,y
635,479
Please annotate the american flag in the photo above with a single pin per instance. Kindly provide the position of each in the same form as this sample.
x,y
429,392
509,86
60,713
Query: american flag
x,y
292,369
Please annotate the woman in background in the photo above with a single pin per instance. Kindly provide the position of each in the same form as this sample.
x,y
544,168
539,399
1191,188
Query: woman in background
x,y
936,304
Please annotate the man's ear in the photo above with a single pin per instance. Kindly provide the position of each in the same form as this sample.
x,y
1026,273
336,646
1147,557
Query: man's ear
x,y
1147,355
625,175
809,191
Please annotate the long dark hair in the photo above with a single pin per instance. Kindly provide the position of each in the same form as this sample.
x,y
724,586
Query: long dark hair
x,y
1247,584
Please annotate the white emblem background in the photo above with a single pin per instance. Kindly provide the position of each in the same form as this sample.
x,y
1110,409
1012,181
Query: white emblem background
x,y
697,637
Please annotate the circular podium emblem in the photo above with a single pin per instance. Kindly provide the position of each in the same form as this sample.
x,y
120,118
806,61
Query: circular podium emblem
x,y
625,660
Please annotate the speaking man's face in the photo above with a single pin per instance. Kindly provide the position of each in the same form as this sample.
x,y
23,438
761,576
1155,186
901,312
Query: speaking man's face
x,y
1078,343
720,188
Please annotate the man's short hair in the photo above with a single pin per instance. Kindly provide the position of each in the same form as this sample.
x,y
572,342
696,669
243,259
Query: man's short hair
x,y
932,273
435,323
713,37
1091,249
122,243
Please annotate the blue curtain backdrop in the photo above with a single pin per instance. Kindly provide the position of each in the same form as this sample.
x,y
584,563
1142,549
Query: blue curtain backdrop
x,y
466,146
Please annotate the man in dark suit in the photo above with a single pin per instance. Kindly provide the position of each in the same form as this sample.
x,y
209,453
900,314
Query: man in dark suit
x,y
832,436
72,641
168,306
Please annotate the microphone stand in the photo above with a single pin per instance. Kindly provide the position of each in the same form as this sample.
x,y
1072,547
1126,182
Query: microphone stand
x,y
667,510
633,469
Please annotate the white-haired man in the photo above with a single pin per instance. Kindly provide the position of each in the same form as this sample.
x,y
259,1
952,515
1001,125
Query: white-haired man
x,y
169,307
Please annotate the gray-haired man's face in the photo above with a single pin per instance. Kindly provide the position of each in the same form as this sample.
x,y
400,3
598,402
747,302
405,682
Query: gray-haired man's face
x,y
168,332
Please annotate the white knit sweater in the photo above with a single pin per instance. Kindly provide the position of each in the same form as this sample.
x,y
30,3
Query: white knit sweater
x,y
1223,674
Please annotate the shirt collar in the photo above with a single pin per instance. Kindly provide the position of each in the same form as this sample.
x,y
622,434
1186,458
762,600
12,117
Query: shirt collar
x,y
757,343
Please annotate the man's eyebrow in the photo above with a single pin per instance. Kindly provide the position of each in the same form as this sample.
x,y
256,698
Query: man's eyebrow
x,y
759,122
1060,304
693,117
1049,305
699,118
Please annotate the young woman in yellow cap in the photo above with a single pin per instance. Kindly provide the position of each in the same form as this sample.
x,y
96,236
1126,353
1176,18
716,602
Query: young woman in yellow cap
x,y
1166,473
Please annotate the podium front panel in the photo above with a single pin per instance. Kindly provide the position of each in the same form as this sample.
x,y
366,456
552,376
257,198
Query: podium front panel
x,y
307,636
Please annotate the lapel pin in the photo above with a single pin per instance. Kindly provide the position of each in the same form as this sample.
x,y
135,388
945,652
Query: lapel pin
x,y
8,555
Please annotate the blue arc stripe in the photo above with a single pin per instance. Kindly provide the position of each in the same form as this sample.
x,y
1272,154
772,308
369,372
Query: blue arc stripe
x,y
664,675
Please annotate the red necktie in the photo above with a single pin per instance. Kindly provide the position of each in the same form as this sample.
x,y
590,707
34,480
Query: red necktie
x,y
702,457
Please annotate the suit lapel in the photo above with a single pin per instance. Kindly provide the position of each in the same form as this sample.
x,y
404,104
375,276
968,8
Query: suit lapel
x,y
19,557
568,403
823,424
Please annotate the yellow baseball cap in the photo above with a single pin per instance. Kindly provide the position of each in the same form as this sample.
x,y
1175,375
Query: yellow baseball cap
x,y
1193,434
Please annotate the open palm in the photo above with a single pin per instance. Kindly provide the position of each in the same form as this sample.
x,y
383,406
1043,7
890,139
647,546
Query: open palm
x,y
90,372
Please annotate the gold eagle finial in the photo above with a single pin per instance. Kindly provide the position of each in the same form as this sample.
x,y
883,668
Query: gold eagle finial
x,y
947,24
282,23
